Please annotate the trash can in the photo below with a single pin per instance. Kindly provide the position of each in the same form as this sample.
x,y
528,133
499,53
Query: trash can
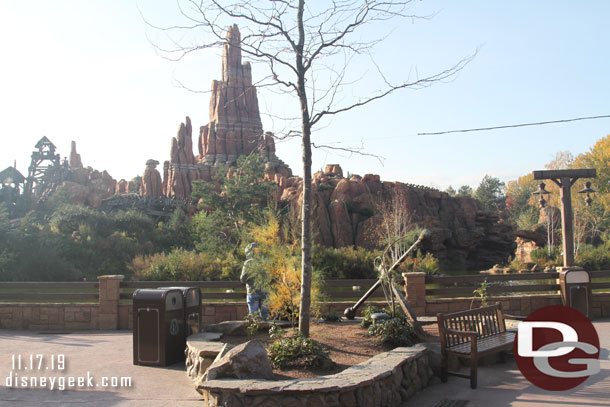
x,y
158,327
576,289
192,309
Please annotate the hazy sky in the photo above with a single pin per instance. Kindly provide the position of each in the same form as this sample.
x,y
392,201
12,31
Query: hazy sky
x,y
85,71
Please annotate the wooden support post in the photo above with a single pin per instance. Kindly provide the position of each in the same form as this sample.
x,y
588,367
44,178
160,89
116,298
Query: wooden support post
x,y
565,179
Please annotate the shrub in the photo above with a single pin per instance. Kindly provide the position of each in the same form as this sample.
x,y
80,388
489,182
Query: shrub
x,y
395,331
331,316
275,331
592,257
186,265
254,323
541,256
297,350
345,262
426,263
367,319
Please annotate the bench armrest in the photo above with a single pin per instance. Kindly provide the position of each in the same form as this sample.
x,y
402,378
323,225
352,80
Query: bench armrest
x,y
515,317
471,334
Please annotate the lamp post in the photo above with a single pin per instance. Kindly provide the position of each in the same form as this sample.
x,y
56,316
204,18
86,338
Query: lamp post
x,y
565,179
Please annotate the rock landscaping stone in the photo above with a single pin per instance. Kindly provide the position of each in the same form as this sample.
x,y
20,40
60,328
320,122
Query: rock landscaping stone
x,y
237,328
246,361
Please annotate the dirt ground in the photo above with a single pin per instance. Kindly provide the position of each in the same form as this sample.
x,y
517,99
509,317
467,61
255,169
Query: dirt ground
x,y
346,340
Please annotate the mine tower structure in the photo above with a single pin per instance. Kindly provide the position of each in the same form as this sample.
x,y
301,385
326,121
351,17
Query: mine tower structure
x,y
46,171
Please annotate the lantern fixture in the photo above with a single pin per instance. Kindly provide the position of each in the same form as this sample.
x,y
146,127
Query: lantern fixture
x,y
588,191
542,192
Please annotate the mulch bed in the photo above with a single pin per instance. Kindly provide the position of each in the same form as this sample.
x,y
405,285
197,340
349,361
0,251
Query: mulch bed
x,y
348,343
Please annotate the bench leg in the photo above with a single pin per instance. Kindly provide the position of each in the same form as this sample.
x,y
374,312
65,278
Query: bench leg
x,y
473,371
502,355
443,368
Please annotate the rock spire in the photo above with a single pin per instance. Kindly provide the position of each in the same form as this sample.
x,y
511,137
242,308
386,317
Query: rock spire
x,y
75,161
235,129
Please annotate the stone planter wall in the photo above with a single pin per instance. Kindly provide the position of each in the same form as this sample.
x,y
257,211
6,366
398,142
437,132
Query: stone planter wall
x,y
388,379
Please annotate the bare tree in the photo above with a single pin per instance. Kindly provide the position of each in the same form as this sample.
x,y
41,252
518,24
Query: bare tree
x,y
396,222
307,48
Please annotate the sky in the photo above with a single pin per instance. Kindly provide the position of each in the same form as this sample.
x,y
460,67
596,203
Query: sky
x,y
86,71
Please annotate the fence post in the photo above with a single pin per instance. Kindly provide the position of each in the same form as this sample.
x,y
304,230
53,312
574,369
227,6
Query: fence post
x,y
415,292
109,296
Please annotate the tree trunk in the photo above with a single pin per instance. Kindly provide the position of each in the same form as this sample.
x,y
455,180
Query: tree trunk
x,y
305,304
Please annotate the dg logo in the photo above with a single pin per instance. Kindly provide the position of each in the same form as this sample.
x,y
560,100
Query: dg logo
x,y
557,348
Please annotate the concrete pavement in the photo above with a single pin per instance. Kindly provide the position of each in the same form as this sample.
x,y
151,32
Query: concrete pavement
x,y
104,354
502,385
109,354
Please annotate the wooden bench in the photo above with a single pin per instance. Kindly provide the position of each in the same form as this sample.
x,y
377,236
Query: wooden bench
x,y
472,334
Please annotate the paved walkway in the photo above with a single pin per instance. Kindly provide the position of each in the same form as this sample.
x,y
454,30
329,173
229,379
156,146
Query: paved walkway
x,y
109,354
103,354
503,385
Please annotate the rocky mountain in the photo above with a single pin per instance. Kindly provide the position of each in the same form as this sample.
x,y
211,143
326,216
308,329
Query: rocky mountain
x,y
347,213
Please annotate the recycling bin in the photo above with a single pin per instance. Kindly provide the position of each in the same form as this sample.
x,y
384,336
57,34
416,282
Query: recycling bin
x,y
576,289
158,327
192,309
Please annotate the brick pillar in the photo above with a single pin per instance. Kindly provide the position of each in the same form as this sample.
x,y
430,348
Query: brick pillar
x,y
415,292
110,294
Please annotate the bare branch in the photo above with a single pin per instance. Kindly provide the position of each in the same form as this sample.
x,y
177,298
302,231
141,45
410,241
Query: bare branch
x,y
417,84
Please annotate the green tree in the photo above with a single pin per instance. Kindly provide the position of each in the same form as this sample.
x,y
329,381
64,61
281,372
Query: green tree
x,y
239,199
520,203
451,191
490,193
464,190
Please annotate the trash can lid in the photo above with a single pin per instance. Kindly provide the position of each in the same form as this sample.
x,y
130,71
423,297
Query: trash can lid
x,y
192,295
152,293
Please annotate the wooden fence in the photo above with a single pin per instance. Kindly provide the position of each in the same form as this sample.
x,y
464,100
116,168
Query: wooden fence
x,y
504,284
53,291
334,290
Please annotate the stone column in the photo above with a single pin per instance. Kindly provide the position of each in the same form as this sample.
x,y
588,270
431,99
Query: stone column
x,y
109,296
415,292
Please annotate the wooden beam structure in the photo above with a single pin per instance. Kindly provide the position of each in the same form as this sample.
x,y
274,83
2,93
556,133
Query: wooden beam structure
x,y
565,179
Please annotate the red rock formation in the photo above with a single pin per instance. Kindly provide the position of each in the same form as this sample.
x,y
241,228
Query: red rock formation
x,y
89,187
235,129
346,213
151,181
122,187
181,169
75,161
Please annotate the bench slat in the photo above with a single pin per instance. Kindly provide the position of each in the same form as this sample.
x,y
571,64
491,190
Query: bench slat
x,y
485,344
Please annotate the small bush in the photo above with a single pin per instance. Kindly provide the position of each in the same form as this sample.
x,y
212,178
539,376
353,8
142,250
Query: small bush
x,y
275,331
331,317
426,263
367,319
254,323
396,331
297,350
